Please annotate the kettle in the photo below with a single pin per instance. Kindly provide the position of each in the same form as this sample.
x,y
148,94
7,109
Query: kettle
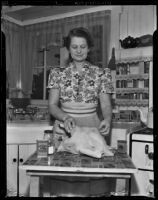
x,y
129,42
148,119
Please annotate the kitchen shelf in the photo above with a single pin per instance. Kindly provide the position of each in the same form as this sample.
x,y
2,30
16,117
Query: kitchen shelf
x,y
132,76
132,102
132,90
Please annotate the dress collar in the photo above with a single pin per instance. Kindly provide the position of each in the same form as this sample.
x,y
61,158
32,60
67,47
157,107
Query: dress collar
x,y
86,65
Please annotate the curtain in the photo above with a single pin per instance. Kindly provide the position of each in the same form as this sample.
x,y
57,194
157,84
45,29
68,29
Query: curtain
x,y
29,61
13,55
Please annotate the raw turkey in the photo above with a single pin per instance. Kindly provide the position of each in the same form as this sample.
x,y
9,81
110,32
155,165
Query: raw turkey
x,y
86,140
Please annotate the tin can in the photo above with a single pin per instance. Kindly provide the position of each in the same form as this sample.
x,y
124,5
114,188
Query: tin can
x,y
42,148
122,146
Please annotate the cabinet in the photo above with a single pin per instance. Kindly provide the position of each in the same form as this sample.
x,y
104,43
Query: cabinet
x,y
133,67
21,143
17,181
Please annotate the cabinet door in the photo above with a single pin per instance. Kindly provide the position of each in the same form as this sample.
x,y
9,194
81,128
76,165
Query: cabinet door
x,y
25,150
11,169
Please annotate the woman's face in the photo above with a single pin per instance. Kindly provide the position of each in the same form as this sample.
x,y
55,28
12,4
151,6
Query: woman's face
x,y
78,49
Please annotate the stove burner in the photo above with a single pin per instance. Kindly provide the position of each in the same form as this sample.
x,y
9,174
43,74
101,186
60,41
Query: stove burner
x,y
146,130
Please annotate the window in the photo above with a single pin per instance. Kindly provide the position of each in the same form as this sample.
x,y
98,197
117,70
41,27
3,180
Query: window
x,y
46,59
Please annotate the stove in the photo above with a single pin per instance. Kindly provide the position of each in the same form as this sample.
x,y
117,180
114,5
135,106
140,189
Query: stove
x,y
142,153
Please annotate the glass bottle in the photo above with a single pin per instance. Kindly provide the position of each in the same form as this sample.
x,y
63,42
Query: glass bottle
x,y
48,135
128,68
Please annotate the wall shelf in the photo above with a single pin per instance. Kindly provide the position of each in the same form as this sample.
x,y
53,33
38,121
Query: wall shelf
x,y
132,102
134,55
132,76
132,90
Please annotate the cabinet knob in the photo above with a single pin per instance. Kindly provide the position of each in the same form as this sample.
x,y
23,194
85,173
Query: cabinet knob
x,y
14,159
21,160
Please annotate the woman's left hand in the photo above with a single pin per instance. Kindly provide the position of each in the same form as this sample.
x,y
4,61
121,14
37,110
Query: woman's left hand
x,y
69,124
104,127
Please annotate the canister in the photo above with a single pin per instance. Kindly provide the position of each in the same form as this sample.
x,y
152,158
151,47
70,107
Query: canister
x,y
122,146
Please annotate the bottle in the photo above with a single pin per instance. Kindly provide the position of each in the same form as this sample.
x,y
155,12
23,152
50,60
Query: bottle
x,y
128,68
48,135
112,62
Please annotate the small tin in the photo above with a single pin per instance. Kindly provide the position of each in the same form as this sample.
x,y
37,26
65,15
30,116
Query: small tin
x,y
122,146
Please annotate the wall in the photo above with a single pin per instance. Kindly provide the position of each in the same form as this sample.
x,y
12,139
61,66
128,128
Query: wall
x,y
137,20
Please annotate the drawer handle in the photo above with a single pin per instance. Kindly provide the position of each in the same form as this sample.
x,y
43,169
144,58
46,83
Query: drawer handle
x,y
146,149
151,155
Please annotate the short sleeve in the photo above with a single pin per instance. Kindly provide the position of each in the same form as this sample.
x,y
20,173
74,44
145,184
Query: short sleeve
x,y
106,85
54,78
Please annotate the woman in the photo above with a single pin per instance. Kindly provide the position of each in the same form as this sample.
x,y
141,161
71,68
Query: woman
x,y
78,88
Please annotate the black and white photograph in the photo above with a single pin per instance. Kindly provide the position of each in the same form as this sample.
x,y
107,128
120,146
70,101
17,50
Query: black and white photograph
x,y
79,99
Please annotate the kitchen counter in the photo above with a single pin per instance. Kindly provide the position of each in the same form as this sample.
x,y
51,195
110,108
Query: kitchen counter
x,y
125,125
27,123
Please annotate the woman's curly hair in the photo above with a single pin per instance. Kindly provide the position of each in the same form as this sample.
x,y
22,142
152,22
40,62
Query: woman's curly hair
x,y
79,32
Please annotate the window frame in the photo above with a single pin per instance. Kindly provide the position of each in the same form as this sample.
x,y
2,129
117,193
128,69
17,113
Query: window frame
x,y
45,67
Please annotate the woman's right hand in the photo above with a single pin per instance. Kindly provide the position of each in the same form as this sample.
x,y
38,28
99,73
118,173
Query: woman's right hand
x,y
69,124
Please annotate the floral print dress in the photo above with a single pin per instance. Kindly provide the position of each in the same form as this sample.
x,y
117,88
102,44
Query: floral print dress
x,y
83,87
